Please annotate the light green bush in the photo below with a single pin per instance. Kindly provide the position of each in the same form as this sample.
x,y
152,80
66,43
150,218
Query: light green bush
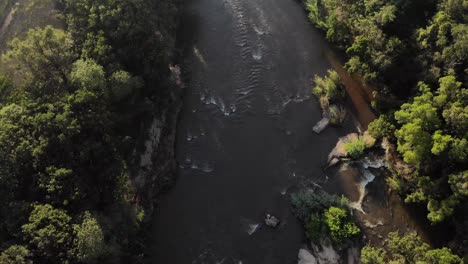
x,y
356,147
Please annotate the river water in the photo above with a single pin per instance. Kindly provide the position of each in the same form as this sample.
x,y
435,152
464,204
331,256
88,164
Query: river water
x,y
245,134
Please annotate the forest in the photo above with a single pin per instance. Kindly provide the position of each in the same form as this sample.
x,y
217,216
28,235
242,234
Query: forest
x,y
416,55
69,95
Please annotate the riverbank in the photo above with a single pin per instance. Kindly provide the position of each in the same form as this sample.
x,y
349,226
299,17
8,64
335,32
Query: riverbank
x,y
373,49
97,106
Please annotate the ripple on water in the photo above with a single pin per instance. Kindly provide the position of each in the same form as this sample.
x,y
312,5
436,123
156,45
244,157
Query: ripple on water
x,y
203,166
209,257
250,226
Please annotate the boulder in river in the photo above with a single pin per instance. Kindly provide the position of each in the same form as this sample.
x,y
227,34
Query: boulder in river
x,y
339,150
271,221
321,125
305,257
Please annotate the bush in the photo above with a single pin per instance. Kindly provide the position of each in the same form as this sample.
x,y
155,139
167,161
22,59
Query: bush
x,y
337,114
330,86
407,249
324,215
315,227
381,127
340,226
305,203
355,148
372,255
16,255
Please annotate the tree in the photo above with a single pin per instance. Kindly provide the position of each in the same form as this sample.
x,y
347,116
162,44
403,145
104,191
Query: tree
x,y
442,256
408,249
16,254
381,127
355,148
330,87
89,243
42,60
122,85
88,75
49,233
372,255
419,119
342,229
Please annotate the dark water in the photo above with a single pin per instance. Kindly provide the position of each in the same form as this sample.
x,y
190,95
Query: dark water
x,y
245,135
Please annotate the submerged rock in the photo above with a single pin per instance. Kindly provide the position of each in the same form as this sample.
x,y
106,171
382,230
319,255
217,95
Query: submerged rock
x,y
321,125
271,221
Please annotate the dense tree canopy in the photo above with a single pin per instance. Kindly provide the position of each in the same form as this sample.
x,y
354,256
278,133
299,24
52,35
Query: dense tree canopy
x,y
62,160
408,249
416,55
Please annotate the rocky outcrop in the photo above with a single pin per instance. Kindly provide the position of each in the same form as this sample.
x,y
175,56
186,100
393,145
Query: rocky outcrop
x,y
156,164
339,150
271,221
321,125
305,257
326,254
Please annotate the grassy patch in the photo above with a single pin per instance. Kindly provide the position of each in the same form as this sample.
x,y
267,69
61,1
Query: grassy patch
x,y
356,148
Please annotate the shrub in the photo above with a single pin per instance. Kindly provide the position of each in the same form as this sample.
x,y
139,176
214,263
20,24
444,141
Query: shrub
x,y
305,203
340,226
16,255
337,114
381,127
315,227
355,148
324,215
407,249
372,255
329,86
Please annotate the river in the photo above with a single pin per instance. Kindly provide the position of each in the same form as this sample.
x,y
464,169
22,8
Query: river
x,y
245,134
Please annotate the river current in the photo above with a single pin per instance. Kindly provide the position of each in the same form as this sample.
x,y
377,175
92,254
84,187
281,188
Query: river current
x,y
245,136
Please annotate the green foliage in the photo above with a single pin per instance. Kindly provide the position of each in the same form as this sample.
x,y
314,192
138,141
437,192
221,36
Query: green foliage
x,y
330,91
445,42
423,135
16,255
316,228
381,127
356,148
442,256
305,203
66,97
122,85
416,55
441,210
459,184
49,233
410,246
43,58
408,249
330,87
88,75
357,27
337,114
340,226
324,216
372,255
89,243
